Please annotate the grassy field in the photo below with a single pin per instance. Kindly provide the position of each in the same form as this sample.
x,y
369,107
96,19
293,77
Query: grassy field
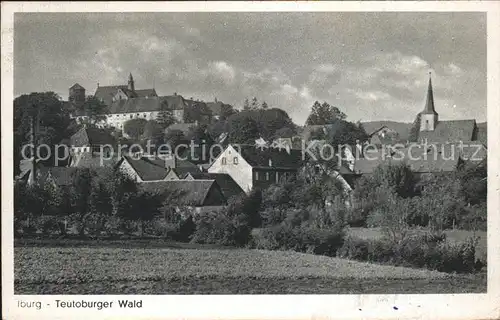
x,y
108,270
451,235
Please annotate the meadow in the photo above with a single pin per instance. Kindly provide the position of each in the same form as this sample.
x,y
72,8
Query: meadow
x,y
171,270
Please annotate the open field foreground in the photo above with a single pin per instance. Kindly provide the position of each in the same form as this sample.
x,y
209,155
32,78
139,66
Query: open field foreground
x,y
40,270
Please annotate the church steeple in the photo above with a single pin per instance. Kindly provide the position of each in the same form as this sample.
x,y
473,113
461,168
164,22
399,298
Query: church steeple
x,y
131,85
429,117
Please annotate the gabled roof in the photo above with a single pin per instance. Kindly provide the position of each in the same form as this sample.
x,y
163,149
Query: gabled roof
x,y
77,86
148,169
185,192
135,105
106,93
62,176
450,131
270,157
482,133
401,128
91,136
227,185
175,102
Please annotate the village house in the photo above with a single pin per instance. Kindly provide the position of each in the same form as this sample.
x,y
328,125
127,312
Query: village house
x,y
197,195
228,186
151,168
252,167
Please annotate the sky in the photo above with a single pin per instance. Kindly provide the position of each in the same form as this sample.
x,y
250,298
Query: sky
x,y
372,66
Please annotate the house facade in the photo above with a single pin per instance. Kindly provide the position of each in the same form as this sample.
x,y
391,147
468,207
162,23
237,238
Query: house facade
x,y
251,167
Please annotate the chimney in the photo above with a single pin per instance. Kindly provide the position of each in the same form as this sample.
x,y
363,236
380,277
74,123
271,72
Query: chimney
x,y
170,161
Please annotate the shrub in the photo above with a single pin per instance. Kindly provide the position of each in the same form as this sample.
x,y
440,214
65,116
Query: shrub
x,y
161,228
300,238
220,228
95,224
429,250
46,225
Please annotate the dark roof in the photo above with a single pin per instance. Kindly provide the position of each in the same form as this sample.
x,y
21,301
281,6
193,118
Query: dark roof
x,y
227,185
186,192
279,158
106,93
450,131
401,128
77,86
91,136
148,169
429,102
143,104
145,93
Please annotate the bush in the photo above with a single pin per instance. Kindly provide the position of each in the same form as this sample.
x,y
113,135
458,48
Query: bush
x,y
300,238
95,224
161,228
46,225
220,228
429,250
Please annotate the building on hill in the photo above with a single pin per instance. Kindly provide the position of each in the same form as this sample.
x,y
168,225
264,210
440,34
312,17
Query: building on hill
x,y
110,94
76,94
252,167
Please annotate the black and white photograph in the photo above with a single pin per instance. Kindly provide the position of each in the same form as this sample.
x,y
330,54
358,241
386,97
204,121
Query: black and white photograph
x,y
248,153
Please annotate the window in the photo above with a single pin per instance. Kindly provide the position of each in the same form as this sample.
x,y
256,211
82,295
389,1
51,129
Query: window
x,y
145,115
235,160
224,161
256,175
131,116
267,176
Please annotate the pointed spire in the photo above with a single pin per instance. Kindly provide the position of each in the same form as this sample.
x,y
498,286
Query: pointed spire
x,y
131,85
429,102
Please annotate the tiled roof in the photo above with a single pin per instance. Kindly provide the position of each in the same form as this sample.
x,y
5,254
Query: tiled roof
x,y
143,104
186,192
148,169
106,93
76,86
401,128
91,136
450,131
270,157
227,185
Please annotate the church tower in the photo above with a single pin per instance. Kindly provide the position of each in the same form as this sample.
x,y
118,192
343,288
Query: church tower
x,y
131,85
429,117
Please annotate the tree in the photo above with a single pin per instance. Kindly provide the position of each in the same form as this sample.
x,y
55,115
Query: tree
x,y
81,191
285,132
264,106
165,117
343,132
197,111
154,132
246,104
415,129
51,118
227,110
242,129
174,138
255,104
324,114
94,110
134,128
